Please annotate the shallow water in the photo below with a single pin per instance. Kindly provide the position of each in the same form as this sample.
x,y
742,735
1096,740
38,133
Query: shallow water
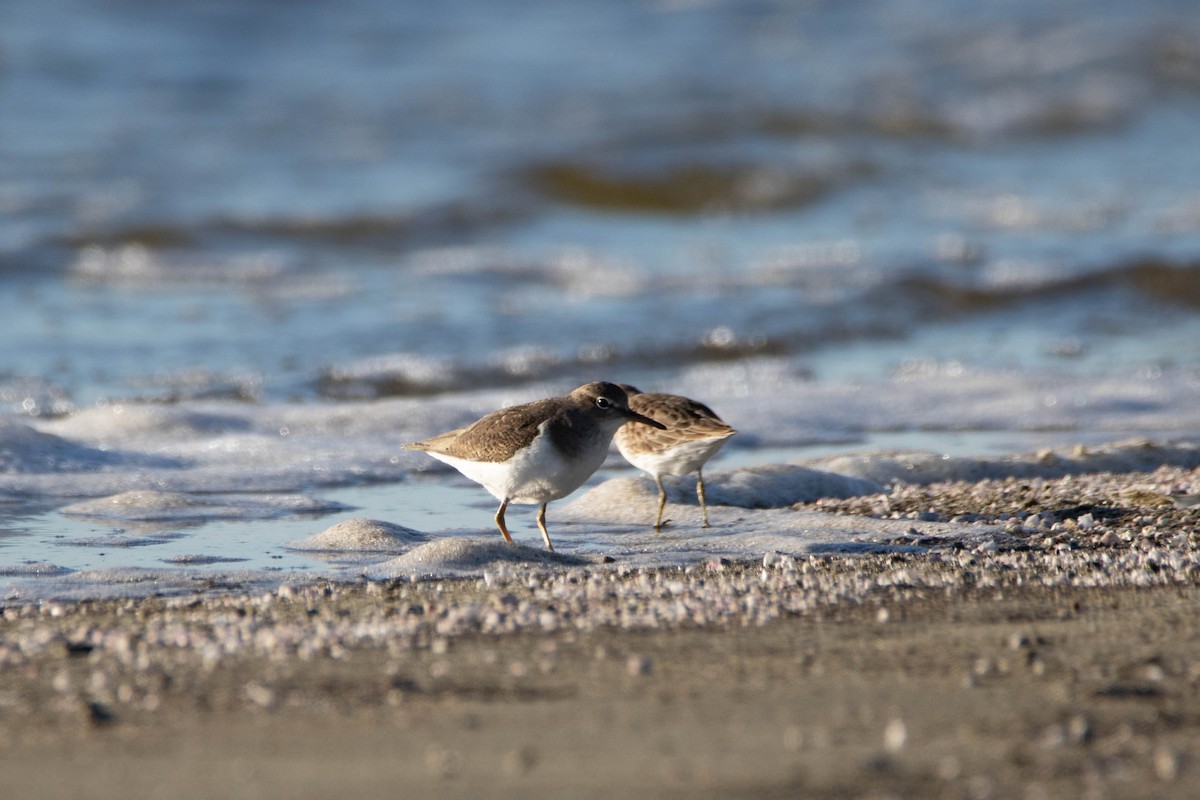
x,y
250,250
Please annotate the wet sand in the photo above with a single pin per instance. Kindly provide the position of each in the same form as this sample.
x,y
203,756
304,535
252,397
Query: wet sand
x,y
1062,661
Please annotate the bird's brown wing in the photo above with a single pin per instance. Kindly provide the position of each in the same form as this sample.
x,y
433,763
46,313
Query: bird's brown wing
x,y
686,421
495,437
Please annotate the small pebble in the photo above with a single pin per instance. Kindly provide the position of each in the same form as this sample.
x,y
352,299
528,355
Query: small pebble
x,y
100,714
1166,764
259,695
638,665
895,735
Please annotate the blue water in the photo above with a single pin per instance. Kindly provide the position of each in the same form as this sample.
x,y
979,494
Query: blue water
x,y
259,246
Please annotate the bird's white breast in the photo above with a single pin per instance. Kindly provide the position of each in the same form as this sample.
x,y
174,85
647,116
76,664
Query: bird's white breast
x,y
683,458
536,474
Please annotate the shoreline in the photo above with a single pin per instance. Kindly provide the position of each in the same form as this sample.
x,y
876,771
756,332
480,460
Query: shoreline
x,y
1057,660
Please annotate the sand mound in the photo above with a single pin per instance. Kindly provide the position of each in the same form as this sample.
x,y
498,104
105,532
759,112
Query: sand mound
x,y
458,556
361,535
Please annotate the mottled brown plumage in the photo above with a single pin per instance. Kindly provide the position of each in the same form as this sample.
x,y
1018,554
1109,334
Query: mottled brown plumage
x,y
692,435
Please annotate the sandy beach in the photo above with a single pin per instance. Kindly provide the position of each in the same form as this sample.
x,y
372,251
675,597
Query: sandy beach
x,y
937,263
1061,661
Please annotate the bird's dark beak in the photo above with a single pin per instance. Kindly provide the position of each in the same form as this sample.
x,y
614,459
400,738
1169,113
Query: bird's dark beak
x,y
633,416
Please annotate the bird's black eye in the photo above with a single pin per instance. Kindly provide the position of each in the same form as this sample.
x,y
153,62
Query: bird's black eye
x,y
603,402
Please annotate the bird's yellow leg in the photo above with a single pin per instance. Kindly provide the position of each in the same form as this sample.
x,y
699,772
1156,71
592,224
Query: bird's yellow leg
x,y
541,520
662,503
500,521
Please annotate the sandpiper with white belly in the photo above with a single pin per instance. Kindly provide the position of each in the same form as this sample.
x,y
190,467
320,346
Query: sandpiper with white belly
x,y
539,451
690,435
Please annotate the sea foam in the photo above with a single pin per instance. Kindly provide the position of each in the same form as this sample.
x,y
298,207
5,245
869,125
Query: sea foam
x,y
151,505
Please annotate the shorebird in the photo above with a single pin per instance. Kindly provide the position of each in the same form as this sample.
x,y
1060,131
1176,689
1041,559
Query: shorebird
x,y
690,436
539,451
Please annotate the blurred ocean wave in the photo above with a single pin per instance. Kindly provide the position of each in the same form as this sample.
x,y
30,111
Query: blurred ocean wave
x,y
260,202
